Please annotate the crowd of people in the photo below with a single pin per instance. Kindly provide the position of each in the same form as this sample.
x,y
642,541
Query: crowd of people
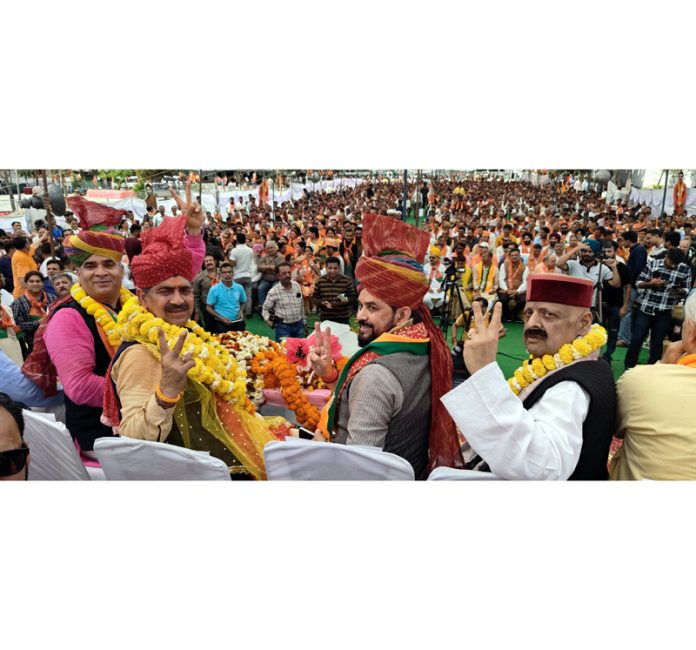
x,y
483,252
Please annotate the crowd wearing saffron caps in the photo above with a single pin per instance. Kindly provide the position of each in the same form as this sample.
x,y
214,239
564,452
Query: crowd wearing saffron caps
x,y
581,276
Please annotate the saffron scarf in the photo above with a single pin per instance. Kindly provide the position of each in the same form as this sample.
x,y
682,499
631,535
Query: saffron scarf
x,y
409,338
7,324
689,361
484,283
37,309
514,276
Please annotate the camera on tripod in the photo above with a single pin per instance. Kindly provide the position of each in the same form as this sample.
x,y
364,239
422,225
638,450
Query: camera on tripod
x,y
450,275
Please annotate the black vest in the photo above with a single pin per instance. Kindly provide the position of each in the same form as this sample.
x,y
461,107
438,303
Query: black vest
x,y
83,421
597,430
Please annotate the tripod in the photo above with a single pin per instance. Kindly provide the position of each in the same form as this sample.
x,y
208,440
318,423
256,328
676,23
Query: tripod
x,y
451,288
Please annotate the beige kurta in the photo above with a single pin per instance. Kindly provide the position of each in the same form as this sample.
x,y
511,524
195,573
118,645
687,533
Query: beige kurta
x,y
655,414
136,373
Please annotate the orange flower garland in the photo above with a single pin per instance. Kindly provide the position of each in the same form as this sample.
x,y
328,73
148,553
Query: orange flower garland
x,y
276,369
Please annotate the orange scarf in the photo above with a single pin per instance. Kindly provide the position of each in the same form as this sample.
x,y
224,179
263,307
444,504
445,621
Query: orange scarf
x,y
689,361
6,322
479,275
514,276
36,308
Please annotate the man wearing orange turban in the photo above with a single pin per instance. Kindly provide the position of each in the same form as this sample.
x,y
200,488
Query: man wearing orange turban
x,y
388,394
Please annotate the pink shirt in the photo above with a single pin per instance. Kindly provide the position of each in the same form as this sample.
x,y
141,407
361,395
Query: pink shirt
x,y
197,247
71,348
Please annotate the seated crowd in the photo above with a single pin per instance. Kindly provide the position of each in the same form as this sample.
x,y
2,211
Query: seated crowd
x,y
483,253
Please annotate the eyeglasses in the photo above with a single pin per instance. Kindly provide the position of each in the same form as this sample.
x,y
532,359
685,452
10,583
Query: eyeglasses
x,y
13,461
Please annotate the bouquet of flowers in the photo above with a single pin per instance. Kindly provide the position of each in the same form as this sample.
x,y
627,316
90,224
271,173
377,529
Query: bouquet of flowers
x,y
245,346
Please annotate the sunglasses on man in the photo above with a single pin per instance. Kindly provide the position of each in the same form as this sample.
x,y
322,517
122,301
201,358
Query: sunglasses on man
x,y
13,461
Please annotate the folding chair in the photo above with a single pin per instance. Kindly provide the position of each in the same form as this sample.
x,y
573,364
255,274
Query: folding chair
x,y
449,474
53,456
128,459
295,459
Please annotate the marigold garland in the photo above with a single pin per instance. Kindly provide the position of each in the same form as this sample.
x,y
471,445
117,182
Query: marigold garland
x,y
275,367
215,366
535,368
99,312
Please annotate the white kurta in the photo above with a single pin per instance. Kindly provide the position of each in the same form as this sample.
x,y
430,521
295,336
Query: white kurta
x,y
542,443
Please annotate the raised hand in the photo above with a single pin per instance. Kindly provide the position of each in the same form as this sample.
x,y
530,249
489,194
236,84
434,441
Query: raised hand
x,y
320,352
481,347
195,216
174,368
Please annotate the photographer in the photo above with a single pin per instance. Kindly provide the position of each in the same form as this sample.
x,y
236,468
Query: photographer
x,y
667,281
334,294
589,268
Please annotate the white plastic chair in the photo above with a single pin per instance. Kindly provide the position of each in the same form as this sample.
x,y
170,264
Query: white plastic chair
x,y
53,456
128,459
295,459
450,474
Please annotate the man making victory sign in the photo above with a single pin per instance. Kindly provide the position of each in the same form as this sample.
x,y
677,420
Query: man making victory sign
x,y
555,418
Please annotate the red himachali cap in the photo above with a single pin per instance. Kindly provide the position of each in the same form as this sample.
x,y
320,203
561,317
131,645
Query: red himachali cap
x,y
560,289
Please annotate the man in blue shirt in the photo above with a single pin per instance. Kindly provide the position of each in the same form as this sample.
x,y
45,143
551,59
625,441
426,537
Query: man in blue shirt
x,y
226,301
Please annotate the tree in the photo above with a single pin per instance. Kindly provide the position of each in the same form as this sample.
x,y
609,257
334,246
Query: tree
x,y
7,180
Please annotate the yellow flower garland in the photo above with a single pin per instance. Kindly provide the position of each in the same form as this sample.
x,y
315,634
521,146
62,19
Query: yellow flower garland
x,y
535,368
215,366
96,309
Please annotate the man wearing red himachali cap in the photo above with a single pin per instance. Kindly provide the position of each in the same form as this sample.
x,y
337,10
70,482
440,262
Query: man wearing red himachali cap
x,y
388,394
555,418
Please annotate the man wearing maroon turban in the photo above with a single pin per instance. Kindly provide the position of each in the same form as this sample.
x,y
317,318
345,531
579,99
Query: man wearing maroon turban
x,y
388,394
150,396
71,343
555,419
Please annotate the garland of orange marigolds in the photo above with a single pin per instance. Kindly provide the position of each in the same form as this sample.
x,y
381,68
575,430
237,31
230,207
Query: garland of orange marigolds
x,y
277,370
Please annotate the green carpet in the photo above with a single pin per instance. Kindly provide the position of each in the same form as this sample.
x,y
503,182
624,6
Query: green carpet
x,y
511,351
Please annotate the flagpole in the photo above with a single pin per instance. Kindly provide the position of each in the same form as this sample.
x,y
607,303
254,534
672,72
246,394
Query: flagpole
x,y
49,215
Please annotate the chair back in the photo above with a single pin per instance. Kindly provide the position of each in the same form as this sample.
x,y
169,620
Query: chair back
x,y
295,459
128,459
53,456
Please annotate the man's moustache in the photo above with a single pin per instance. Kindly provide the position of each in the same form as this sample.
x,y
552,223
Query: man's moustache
x,y
535,332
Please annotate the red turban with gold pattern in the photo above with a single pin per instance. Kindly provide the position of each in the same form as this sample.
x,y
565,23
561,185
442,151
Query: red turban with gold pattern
x,y
391,268
392,271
